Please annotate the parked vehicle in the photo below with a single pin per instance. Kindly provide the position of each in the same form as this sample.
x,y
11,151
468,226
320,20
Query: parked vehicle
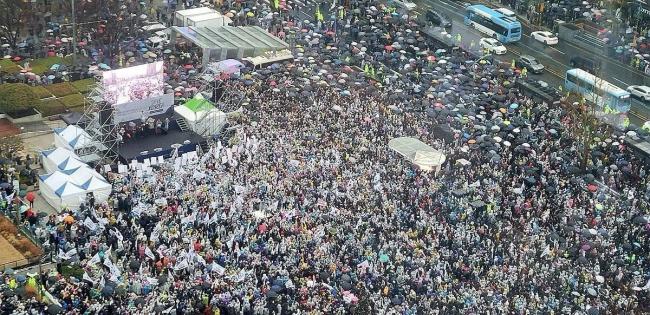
x,y
530,63
437,19
492,45
492,23
641,92
545,37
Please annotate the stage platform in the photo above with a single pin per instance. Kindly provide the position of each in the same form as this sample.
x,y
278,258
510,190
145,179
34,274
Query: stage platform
x,y
149,146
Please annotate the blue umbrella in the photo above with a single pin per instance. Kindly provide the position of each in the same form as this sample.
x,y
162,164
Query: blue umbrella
x,y
21,278
51,77
104,66
514,105
143,49
55,67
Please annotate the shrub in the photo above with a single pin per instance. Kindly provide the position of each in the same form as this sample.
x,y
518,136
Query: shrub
x,y
61,89
16,97
72,100
51,107
83,86
41,92
7,66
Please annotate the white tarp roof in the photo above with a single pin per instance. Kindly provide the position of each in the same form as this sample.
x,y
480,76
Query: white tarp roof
x,y
72,137
54,180
417,152
59,155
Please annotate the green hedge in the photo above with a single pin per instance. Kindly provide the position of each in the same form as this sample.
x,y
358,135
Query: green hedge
x,y
16,97
9,66
51,107
83,86
42,65
72,100
61,89
41,92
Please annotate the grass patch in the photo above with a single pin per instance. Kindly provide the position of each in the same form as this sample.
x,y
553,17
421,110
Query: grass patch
x,y
61,89
40,91
9,67
42,65
83,86
16,97
51,107
72,100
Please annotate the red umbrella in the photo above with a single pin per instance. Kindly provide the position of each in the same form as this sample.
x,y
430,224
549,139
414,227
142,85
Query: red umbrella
x,y
51,54
592,187
188,66
17,58
389,47
30,196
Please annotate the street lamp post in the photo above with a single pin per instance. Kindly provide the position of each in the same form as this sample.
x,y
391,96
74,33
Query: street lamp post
x,y
74,34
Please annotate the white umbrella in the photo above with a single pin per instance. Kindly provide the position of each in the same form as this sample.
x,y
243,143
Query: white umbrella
x,y
337,108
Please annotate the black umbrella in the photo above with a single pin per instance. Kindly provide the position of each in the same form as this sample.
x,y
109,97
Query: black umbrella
x,y
346,286
640,220
134,265
54,309
272,295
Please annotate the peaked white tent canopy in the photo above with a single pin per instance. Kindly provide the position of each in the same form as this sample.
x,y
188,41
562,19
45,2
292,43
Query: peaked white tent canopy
x,y
68,188
59,159
71,137
418,153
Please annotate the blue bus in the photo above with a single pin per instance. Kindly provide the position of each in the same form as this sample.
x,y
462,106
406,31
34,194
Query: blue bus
x,y
495,24
598,91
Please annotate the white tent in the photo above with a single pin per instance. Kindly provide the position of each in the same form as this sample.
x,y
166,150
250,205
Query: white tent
x,y
201,116
54,159
71,137
418,153
69,188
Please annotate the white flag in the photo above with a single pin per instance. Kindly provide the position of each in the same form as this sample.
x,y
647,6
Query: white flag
x,y
88,278
149,253
90,224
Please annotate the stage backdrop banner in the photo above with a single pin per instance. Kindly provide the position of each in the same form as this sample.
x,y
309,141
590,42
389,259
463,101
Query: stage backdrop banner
x,y
148,107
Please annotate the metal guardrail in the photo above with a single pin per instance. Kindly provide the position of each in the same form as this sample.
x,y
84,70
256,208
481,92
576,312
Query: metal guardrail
x,y
19,263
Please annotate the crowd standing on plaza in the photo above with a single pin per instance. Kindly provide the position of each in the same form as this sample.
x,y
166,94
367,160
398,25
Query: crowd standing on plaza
x,y
305,210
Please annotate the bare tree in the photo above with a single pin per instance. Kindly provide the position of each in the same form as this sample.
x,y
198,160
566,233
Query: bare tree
x,y
11,12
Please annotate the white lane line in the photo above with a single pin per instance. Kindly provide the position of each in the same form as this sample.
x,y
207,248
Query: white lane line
x,y
551,47
617,79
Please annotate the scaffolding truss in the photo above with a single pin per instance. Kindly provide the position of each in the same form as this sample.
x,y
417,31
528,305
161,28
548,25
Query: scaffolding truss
x,y
98,115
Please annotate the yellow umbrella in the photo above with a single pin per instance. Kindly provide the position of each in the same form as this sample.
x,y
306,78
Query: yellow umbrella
x,y
250,14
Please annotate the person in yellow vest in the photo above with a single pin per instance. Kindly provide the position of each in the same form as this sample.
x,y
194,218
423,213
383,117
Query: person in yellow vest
x,y
626,122
513,64
341,13
524,72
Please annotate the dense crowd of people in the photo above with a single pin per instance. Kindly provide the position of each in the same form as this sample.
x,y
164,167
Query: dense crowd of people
x,y
305,209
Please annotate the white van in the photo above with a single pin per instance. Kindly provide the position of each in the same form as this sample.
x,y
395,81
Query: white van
x,y
505,12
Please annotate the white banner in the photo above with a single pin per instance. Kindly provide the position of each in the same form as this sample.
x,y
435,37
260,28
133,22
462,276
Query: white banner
x,y
148,107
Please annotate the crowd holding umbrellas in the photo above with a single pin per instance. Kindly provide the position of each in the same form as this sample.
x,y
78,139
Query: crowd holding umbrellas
x,y
305,209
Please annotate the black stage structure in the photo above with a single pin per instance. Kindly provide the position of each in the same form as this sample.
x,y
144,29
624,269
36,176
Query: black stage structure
x,y
150,145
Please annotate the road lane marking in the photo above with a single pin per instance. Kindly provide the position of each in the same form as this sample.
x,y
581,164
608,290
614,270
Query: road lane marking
x,y
619,80
551,47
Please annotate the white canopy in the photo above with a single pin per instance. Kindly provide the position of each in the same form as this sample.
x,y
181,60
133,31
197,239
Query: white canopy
x,y
59,159
69,188
71,137
418,153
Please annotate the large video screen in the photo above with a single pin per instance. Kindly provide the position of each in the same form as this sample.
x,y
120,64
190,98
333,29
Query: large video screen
x,y
133,83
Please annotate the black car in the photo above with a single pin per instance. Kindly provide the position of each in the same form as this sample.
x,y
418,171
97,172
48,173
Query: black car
x,y
589,65
437,19
530,63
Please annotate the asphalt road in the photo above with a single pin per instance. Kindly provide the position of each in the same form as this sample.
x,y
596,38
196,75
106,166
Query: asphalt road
x,y
554,58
